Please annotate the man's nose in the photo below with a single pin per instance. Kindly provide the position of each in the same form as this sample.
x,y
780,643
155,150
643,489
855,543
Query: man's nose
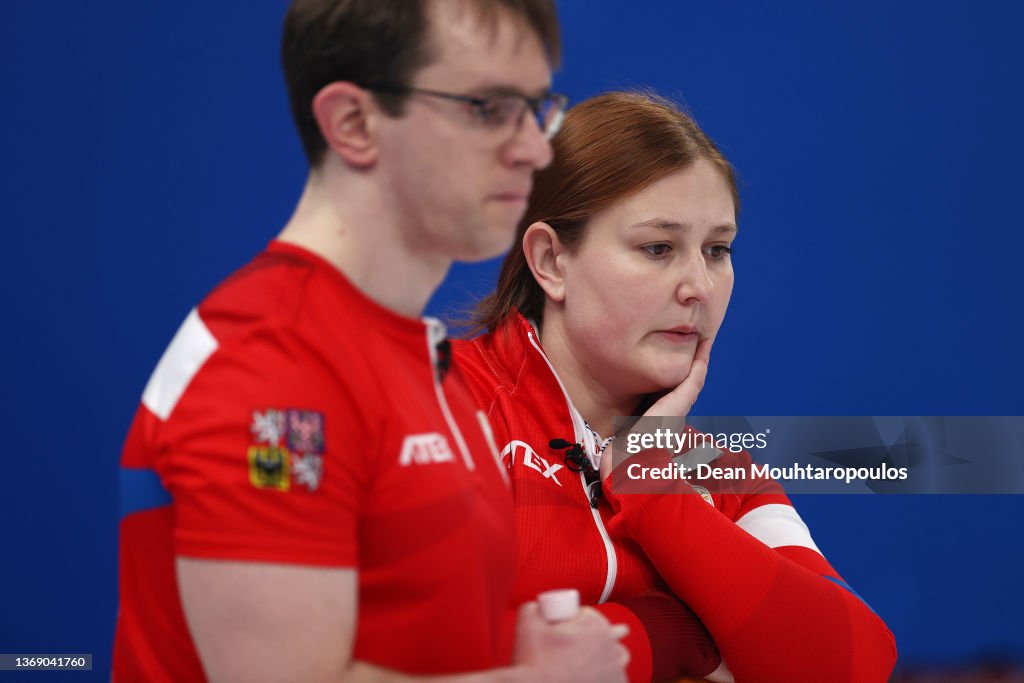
x,y
529,145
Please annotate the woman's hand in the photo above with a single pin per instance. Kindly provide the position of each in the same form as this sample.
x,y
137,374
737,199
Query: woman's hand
x,y
679,401
676,403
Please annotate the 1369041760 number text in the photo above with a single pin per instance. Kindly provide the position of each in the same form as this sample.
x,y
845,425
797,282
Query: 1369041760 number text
x,y
25,662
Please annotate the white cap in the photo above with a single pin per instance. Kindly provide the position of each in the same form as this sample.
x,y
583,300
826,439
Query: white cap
x,y
559,605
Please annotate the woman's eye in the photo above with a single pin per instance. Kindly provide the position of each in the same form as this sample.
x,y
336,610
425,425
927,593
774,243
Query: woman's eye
x,y
657,250
718,251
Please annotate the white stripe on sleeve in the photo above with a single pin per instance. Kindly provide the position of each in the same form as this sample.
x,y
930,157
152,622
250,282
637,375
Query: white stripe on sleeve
x,y
777,525
191,346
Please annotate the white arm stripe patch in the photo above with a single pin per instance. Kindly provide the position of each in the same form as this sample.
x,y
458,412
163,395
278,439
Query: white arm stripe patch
x,y
777,525
191,346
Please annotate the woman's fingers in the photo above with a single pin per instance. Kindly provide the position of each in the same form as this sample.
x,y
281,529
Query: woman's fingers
x,y
680,400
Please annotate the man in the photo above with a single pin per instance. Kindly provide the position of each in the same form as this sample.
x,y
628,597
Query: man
x,y
312,494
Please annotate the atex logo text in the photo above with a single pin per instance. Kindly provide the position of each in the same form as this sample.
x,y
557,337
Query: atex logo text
x,y
521,451
424,449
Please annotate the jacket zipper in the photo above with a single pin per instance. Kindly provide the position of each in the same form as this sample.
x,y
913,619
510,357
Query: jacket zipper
x,y
582,436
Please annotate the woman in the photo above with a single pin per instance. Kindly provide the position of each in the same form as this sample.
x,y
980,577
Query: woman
x,y
614,298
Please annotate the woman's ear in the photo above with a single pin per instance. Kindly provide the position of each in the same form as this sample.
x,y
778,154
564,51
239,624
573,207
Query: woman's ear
x,y
542,249
346,115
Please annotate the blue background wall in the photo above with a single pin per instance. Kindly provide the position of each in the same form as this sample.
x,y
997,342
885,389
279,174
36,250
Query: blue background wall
x,y
148,152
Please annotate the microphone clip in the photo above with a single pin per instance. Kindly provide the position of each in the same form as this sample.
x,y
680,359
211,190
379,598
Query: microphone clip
x,y
443,362
577,461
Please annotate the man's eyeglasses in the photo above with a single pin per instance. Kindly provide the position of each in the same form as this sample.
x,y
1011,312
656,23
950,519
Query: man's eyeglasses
x,y
495,111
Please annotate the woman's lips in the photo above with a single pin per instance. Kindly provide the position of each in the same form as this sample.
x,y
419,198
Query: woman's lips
x,y
678,336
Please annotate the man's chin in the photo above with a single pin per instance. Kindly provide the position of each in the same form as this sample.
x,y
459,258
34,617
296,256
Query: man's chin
x,y
493,240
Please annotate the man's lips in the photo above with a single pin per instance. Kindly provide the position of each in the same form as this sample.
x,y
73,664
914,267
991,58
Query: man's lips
x,y
512,196
514,193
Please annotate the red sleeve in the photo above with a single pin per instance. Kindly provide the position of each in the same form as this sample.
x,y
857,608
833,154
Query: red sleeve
x,y
773,619
666,639
266,457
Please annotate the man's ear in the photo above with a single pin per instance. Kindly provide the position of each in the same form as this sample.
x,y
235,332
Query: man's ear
x,y
543,250
347,117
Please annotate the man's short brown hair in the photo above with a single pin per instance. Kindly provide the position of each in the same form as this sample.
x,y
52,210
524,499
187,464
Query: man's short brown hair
x,y
374,41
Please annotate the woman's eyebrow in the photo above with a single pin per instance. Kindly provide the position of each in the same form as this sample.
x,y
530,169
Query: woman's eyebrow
x,y
662,223
668,224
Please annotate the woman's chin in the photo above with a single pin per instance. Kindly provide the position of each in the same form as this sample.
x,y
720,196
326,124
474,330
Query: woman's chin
x,y
645,380
670,378
660,383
